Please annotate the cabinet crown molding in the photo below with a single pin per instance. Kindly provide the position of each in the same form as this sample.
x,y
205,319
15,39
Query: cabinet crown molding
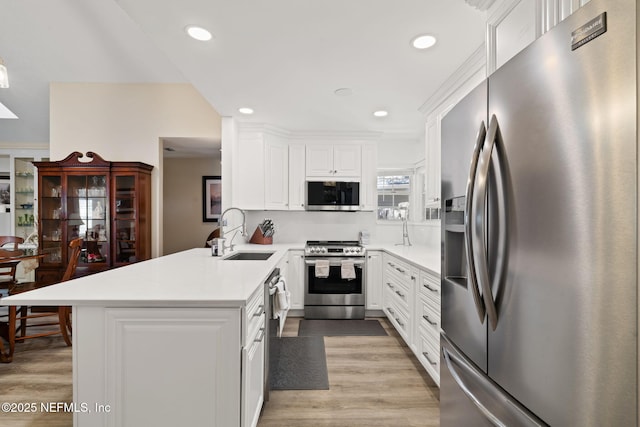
x,y
476,62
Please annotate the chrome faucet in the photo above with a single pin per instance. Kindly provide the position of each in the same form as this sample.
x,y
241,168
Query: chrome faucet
x,y
404,214
222,224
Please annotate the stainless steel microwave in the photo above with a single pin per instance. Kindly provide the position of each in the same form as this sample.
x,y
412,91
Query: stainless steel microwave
x,y
333,196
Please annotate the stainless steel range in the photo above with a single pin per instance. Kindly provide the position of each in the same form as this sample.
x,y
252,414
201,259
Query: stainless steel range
x,y
334,280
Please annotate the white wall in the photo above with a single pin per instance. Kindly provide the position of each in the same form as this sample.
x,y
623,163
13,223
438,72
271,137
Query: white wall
x,y
182,192
124,122
399,154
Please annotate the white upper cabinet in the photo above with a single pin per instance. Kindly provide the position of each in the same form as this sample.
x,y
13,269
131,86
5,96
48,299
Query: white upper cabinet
x,y
248,185
296,177
369,180
432,178
328,161
262,181
276,178
271,167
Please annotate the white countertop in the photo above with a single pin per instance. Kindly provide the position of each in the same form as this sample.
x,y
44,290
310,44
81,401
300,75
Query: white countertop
x,y
421,256
192,278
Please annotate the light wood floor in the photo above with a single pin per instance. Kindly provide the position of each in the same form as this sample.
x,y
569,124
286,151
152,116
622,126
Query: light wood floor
x,y
374,381
40,372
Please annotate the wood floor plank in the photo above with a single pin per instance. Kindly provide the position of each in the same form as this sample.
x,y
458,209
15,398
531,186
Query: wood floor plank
x,y
374,381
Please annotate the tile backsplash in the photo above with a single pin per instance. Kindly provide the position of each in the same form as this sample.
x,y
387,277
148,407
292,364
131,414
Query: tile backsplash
x,y
294,226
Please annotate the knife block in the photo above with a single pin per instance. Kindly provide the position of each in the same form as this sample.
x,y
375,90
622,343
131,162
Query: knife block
x,y
259,239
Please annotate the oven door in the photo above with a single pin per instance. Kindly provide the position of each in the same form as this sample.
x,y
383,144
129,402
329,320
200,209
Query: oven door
x,y
333,289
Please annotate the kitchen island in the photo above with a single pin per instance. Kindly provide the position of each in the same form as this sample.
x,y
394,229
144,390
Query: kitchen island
x,y
167,341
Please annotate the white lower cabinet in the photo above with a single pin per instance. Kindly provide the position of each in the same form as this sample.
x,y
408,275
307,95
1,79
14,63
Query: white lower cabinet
x,y
411,302
168,366
253,381
428,323
373,289
295,279
157,366
253,354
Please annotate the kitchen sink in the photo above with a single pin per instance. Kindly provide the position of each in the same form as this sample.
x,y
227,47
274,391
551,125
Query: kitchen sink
x,y
249,256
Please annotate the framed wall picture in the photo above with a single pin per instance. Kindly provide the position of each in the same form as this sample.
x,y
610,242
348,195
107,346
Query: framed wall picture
x,y
211,198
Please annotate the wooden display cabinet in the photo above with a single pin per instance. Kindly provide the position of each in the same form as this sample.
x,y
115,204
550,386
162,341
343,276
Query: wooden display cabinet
x,y
108,204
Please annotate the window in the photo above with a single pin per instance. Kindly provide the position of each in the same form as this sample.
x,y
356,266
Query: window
x,y
393,189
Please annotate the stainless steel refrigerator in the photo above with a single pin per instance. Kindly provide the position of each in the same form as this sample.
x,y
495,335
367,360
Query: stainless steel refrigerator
x,y
539,233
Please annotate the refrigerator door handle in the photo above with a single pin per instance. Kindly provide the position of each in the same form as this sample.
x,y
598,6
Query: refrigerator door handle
x,y
468,215
497,406
478,223
456,376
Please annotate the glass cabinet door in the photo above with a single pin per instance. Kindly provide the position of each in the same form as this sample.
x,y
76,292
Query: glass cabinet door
x,y
23,205
125,218
87,205
51,216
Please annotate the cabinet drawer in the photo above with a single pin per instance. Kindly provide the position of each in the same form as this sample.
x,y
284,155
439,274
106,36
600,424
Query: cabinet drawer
x,y
429,318
399,318
255,330
397,292
255,305
399,269
255,315
429,355
430,287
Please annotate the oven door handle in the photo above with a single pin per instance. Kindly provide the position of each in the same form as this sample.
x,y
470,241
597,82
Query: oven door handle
x,y
356,263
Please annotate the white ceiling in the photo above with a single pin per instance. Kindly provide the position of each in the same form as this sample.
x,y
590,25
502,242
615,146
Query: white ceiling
x,y
283,58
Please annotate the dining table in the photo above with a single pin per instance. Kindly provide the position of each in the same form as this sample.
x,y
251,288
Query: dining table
x,y
10,258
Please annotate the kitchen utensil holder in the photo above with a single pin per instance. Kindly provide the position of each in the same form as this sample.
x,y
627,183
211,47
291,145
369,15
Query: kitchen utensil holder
x,y
259,239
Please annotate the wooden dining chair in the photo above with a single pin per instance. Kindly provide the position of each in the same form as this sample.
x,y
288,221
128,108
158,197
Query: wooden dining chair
x,y
19,317
214,234
8,248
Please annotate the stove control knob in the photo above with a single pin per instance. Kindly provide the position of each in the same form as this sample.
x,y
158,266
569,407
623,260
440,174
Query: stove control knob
x,y
323,250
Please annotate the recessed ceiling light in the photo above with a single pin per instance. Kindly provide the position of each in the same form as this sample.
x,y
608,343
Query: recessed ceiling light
x,y
424,41
245,110
343,91
381,113
198,33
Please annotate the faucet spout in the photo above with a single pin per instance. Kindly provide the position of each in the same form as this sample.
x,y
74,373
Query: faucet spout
x,y
222,224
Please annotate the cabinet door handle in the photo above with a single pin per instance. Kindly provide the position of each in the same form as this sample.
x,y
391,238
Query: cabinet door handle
x,y
259,311
390,285
399,322
400,270
425,317
261,336
430,288
391,264
426,356
400,293
390,310
413,277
